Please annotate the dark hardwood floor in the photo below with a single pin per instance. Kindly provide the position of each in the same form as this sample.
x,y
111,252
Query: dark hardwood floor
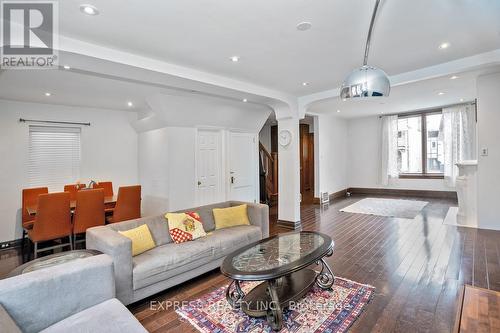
x,y
417,266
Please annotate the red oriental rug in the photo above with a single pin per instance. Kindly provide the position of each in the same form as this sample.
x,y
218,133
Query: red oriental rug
x,y
319,310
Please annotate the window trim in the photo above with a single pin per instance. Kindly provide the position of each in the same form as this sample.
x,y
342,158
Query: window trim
x,y
423,123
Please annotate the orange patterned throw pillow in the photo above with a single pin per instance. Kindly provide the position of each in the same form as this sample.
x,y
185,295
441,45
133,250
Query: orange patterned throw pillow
x,y
184,227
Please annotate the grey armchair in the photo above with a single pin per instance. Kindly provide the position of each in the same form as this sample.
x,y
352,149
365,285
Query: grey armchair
x,y
74,297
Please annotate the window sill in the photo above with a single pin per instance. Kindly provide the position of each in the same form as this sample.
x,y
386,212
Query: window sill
x,y
421,176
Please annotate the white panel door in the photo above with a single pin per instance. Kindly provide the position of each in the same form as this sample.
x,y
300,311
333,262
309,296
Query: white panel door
x,y
208,169
243,167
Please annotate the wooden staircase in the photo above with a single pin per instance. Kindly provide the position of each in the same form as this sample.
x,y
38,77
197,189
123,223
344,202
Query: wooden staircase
x,y
269,166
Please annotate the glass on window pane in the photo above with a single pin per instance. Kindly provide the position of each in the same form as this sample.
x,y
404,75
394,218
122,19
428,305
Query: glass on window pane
x,y
435,148
410,145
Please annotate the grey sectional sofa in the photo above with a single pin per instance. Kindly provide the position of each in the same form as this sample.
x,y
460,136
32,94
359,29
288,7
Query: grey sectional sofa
x,y
74,297
169,264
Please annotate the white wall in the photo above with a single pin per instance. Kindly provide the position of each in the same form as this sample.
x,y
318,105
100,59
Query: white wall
x,y
109,152
364,145
153,170
182,173
488,120
331,141
167,169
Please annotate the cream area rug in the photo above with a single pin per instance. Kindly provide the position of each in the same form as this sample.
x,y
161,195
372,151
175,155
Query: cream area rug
x,y
407,209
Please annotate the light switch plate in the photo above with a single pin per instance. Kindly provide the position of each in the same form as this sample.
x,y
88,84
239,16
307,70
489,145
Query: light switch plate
x,y
484,151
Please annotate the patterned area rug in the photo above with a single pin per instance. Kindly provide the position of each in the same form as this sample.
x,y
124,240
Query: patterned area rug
x,y
319,311
407,209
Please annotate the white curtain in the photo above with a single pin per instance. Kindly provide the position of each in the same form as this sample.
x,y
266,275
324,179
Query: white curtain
x,y
389,151
458,132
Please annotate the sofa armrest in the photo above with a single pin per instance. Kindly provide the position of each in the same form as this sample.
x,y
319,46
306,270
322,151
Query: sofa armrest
x,y
7,324
39,299
258,214
119,248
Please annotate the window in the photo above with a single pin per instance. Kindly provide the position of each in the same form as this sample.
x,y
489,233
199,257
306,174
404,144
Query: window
x,y
420,147
54,156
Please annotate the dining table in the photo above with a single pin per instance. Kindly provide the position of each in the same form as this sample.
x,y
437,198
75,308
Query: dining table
x,y
109,202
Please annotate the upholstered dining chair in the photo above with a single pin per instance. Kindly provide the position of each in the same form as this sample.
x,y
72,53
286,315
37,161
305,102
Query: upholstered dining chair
x,y
72,189
107,187
29,199
53,221
128,204
89,211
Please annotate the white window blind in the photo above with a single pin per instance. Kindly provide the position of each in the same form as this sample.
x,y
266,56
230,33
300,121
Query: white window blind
x,y
54,156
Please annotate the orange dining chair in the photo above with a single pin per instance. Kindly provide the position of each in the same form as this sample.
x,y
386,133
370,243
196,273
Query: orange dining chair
x,y
53,221
128,204
107,187
29,199
89,211
72,189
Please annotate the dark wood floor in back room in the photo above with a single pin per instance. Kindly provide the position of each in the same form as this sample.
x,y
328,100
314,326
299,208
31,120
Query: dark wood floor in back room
x,y
417,266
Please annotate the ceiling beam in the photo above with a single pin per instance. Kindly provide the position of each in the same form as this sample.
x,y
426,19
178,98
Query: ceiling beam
x,y
474,62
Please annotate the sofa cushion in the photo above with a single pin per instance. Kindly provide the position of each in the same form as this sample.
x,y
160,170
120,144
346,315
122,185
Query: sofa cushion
x,y
109,316
168,260
206,214
227,240
157,226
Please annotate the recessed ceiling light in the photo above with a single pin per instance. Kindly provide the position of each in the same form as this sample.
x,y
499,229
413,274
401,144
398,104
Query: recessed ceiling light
x,y
89,10
454,77
130,104
66,67
245,100
305,83
303,26
338,111
235,58
48,94
444,45
440,93
461,99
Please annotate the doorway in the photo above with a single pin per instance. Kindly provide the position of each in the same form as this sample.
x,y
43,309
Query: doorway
x,y
268,162
306,134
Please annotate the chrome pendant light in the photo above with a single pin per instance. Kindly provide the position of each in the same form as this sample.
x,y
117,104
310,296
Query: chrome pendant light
x,y
366,81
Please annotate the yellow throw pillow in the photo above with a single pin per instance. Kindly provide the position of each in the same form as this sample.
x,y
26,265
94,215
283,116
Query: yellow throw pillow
x,y
141,238
230,217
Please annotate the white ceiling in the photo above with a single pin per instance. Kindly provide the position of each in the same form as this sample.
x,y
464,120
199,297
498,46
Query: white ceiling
x,y
203,34
98,90
409,97
70,88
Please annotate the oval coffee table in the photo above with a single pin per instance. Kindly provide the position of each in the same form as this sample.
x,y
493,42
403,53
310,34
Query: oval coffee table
x,y
282,263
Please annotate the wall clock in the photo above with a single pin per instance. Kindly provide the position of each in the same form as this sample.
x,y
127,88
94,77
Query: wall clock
x,y
285,137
